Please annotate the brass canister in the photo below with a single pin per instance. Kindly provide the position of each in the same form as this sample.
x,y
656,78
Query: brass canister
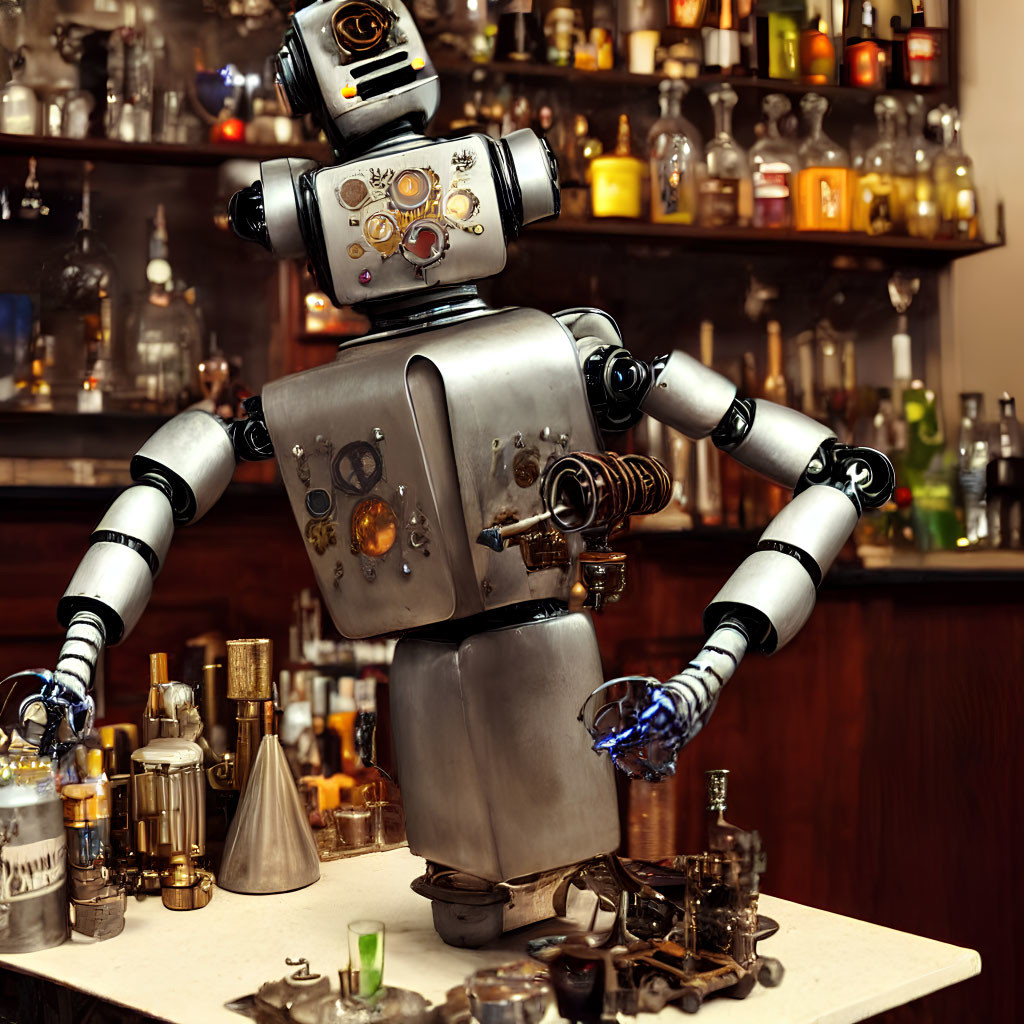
x,y
249,669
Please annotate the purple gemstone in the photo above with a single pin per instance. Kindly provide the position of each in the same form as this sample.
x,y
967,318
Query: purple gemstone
x,y
365,277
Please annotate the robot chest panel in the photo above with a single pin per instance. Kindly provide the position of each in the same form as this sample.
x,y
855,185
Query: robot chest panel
x,y
400,452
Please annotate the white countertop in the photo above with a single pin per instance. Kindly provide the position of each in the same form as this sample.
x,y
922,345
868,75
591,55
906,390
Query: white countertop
x,y
183,966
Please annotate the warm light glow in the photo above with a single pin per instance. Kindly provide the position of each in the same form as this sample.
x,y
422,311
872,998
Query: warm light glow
x,y
349,92
231,129
374,527
417,63
962,542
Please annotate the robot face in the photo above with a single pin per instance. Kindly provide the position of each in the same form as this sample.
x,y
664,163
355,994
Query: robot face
x,y
356,65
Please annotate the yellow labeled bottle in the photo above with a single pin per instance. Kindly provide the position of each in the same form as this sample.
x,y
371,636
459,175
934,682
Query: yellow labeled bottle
x,y
616,179
876,200
823,186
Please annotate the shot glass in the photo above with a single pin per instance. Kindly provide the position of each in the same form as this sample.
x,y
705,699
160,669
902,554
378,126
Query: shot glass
x,y
365,957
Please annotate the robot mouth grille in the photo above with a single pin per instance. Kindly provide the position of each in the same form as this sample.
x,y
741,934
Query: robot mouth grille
x,y
383,83
371,66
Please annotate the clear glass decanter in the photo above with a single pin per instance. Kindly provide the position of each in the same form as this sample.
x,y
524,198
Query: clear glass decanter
x,y
823,185
676,156
954,179
726,179
774,164
921,209
875,200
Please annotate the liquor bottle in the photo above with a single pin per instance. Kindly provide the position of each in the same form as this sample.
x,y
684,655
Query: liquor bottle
x,y
953,172
875,200
823,190
775,163
776,390
722,42
687,14
130,73
616,178
1005,480
973,451
778,37
78,304
726,178
164,353
925,52
865,58
708,457
19,105
817,53
640,24
920,207
519,36
575,170
676,157
930,472
561,32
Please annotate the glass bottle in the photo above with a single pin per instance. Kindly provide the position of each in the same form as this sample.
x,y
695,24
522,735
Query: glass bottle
x,y
722,41
874,203
778,30
924,49
77,310
973,452
676,157
774,163
921,209
823,185
165,335
1009,444
19,105
865,57
721,202
519,36
615,178
953,171
817,53
775,389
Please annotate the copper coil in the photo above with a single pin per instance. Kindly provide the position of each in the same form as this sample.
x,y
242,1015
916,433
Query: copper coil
x,y
360,26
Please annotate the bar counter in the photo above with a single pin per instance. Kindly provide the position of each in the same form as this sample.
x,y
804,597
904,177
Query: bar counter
x,y
184,966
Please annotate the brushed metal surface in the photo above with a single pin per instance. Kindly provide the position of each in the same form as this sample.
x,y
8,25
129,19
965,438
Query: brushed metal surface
x,y
280,209
445,435
270,846
250,668
143,513
818,520
195,447
533,169
780,443
474,250
115,576
498,777
773,583
689,396
33,866
354,115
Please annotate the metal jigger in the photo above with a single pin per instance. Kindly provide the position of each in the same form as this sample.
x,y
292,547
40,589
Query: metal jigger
x,y
249,683
270,845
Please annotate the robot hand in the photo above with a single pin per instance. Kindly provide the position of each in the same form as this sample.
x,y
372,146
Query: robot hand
x,y
644,729
43,714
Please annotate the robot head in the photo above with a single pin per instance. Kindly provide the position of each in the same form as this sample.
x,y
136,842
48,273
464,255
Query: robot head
x,y
356,66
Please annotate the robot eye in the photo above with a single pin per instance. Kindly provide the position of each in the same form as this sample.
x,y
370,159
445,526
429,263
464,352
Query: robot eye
x,y
361,26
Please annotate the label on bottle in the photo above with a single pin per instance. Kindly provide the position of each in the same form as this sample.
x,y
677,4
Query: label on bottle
x,y
719,202
615,188
687,13
771,180
824,199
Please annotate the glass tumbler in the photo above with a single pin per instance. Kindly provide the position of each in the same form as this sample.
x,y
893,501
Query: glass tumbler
x,y
365,957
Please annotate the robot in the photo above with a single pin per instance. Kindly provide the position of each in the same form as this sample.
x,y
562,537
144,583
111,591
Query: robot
x,y
448,475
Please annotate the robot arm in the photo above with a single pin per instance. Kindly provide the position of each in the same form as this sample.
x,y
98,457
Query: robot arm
x,y
771,595
179,473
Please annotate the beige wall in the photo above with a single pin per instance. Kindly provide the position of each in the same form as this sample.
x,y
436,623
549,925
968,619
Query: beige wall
x,y
983,337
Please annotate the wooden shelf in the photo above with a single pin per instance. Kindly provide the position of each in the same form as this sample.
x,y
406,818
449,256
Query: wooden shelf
x,y
884,247
451,67
207,154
